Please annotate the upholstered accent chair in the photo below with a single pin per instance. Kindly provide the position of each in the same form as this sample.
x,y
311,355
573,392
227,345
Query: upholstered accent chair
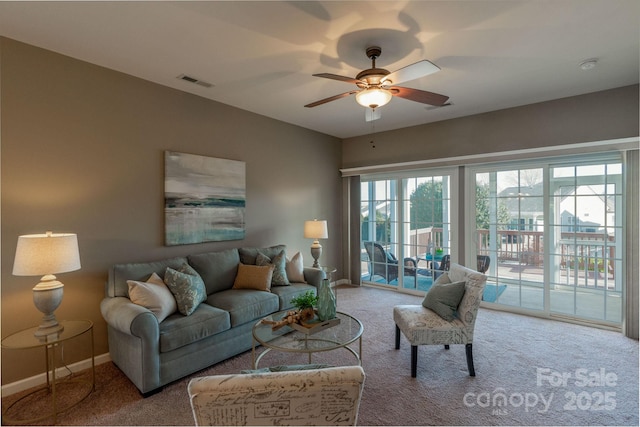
x,y
326,396
385,264
422,326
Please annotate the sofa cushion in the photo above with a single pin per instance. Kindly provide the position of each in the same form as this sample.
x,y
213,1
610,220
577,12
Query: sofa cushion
x,y
295,268
244,305
154,295
177,330
287,293
249,255
217,269
279,262
254,277
187,286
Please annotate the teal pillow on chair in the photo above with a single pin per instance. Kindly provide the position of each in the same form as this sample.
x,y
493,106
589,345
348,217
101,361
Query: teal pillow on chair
x,y
444,298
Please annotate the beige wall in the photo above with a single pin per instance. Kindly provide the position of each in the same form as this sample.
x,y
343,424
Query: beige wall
x,y
82,151
597,116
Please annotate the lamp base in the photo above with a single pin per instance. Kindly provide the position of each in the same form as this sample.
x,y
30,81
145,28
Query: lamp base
x,y
316,252
45,331
47,296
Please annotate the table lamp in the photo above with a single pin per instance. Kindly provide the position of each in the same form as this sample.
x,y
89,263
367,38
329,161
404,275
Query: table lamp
x,y
47,254
316,230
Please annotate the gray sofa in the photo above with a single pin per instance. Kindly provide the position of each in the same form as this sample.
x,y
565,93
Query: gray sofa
x,y
153,353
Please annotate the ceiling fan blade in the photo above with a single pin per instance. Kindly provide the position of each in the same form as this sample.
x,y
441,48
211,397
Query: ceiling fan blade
x,y
411,72
337,77
331,98
418,95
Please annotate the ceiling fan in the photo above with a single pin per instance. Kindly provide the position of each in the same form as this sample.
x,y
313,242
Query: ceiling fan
x,y
376,85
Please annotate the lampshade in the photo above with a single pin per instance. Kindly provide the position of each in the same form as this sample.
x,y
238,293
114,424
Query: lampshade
x,y
49,253
373,97
45,255
315,229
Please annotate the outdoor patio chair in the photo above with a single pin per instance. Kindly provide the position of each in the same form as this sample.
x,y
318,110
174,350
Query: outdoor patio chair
x,y
483,263
423,326
385,264
445,264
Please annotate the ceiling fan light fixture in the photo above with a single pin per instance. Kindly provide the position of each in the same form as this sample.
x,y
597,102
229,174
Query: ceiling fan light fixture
x,y
373,97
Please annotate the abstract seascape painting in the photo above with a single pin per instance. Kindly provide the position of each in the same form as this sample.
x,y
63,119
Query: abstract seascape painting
x,y
204,199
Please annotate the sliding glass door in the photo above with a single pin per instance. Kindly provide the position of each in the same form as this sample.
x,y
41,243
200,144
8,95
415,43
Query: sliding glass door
x,y
552,233
405,229
509,223
586,241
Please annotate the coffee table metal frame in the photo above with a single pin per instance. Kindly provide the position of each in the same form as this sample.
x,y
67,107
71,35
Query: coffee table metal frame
x,y
292,341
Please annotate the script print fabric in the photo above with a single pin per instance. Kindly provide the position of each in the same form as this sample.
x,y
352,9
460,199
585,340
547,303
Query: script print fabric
x,y
422,326
328,396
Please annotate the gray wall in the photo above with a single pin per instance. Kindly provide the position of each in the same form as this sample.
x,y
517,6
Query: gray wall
x,y
597,116
82,151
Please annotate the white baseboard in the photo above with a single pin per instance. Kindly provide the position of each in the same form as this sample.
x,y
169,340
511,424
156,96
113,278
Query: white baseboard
x,y
41,379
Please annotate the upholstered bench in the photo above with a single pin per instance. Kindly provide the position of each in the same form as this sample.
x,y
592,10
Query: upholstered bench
x,y
423,326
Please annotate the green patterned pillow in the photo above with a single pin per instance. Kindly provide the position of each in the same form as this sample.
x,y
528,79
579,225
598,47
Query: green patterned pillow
x,y
279,263
187,286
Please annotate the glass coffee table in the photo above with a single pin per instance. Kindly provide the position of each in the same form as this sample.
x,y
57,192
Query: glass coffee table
x,y
291,340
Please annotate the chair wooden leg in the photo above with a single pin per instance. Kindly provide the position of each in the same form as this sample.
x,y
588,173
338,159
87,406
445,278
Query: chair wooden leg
x,y
472,371
446,346
397,338
414,361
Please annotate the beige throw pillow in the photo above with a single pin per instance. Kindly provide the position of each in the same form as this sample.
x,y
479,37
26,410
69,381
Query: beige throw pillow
x,y
153,295
254,277
295,269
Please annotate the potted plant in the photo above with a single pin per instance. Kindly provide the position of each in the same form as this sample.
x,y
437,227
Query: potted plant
x,y
304,304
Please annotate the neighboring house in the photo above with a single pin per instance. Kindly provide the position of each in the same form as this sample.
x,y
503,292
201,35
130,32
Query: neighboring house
x,y
582,210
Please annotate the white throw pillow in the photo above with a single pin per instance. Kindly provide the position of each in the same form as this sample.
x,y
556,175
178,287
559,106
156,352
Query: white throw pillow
x,y
295,269
154,295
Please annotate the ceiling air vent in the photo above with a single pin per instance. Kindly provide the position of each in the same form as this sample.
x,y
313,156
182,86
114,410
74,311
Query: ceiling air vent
x,y
194,80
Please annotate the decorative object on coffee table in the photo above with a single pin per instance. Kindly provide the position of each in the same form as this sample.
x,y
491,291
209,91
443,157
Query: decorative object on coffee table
x,y
304,311
326,301
291,317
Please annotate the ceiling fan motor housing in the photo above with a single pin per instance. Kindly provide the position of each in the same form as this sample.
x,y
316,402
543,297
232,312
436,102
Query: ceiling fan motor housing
x,y
372,75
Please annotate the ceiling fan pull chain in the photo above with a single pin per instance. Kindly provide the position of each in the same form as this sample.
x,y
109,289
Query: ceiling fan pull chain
x,y
373,131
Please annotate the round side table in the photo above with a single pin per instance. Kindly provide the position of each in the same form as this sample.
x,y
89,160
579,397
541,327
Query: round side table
x,y
51,343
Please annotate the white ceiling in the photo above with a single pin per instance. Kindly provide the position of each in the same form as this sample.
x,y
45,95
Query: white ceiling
x,y
260,56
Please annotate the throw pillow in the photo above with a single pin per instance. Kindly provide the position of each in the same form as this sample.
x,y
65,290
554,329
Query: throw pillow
x,y
187,286
279,277
443,278
444,298
295,269
153,295
254,277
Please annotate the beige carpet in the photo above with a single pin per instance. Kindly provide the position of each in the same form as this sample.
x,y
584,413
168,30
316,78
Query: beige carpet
x,y
529,371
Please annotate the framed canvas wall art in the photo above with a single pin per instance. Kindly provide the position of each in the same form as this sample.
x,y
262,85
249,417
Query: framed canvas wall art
x,y
204,199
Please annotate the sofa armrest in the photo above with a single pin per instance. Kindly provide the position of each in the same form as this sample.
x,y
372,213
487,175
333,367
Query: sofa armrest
x,y
125,316
314,276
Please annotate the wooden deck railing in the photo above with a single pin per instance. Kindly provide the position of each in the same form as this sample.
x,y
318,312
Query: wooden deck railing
x,y
582,252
